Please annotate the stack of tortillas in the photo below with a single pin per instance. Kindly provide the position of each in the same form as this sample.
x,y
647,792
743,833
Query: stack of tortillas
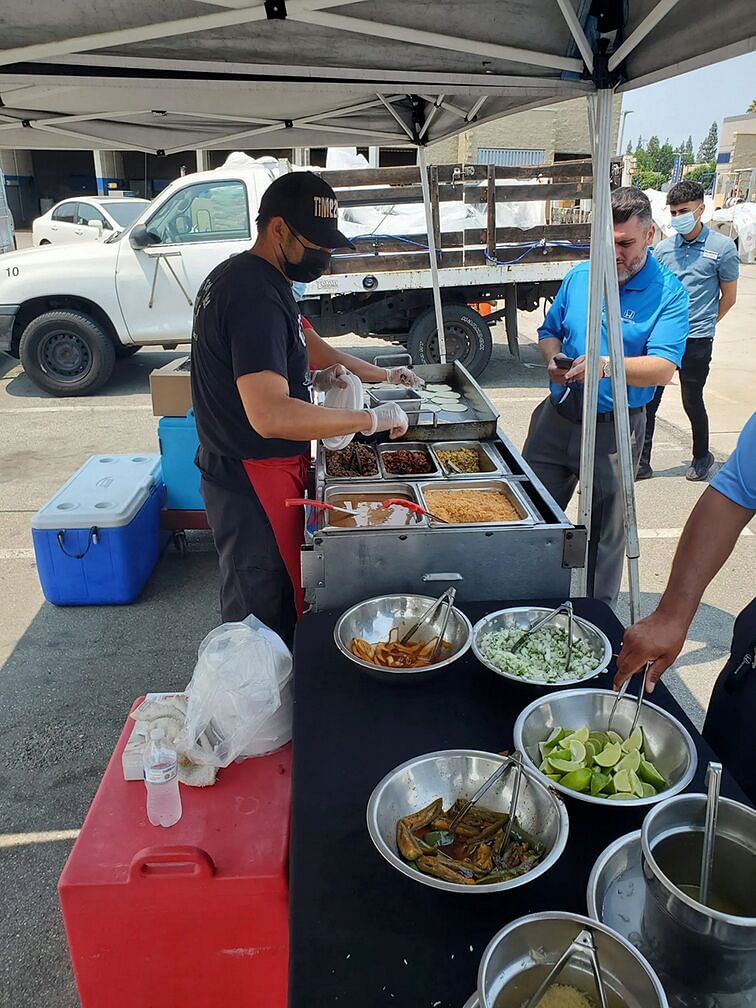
x,y
442,398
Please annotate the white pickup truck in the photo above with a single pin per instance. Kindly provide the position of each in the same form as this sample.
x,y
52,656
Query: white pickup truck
x,y
68,313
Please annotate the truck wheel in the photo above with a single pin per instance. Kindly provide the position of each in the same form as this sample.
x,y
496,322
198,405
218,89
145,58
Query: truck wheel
x,y
122,351
468,338
67,353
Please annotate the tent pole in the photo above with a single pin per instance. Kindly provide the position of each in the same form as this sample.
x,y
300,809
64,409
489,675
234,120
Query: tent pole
x,y
423,166
622,425
600,119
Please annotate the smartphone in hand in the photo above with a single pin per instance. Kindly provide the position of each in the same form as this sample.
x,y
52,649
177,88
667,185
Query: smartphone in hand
x,y
563,362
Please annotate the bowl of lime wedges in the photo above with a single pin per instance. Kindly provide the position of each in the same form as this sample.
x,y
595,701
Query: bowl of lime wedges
x,y
565,738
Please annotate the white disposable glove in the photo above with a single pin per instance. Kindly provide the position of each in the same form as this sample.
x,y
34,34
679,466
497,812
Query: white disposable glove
x,y
404,376
330,377
387,417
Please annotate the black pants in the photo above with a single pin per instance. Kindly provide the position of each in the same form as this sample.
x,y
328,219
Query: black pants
x,y
732,709
694,371
253,576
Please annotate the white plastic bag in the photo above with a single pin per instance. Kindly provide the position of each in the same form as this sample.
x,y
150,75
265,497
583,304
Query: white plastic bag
x,y
234,693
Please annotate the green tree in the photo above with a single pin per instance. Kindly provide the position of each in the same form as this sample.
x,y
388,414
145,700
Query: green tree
x,y
652,149
665,160
639,145
687,150
707,152
702,173
629,147
650,180
752,106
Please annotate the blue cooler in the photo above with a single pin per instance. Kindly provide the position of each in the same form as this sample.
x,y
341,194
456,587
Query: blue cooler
x,y
98,539
178,446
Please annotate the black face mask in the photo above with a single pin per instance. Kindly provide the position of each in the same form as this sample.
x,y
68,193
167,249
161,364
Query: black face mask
x,y
313,264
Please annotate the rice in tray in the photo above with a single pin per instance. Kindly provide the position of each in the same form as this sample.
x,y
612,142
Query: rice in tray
x,y
464,506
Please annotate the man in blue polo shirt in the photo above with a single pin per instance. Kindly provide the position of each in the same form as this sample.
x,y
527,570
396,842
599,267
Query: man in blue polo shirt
x,y
706,263
709,537
654,311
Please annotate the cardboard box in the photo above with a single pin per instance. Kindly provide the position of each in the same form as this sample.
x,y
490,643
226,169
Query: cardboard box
x,y
171,388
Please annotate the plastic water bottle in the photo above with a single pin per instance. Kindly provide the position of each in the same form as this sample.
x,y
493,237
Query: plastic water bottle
x,y
161,780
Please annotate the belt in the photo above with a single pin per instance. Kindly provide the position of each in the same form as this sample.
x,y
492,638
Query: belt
x,y
609,417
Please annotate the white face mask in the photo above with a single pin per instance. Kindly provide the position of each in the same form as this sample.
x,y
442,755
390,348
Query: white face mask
x,y
684,223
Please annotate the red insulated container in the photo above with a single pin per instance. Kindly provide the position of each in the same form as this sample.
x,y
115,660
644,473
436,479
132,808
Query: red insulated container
x,y
186,917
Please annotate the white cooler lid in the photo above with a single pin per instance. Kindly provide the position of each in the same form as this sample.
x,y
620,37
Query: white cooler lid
x,y
106,492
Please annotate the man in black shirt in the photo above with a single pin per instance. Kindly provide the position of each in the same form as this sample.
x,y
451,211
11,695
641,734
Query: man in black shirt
x,y
251,379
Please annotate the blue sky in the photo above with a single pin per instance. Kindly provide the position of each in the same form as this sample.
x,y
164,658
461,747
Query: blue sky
x,y
687,105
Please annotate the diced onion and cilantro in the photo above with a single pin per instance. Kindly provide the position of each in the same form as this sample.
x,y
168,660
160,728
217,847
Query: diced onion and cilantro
x,y
543,656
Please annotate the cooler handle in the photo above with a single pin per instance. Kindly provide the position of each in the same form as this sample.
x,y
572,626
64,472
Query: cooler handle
x,y
169,862
93,539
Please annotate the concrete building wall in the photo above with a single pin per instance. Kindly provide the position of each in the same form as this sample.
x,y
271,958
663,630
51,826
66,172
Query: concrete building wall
x,y
743,152
559,130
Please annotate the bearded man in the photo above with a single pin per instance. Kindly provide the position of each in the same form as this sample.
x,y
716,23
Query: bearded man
x,y
654,318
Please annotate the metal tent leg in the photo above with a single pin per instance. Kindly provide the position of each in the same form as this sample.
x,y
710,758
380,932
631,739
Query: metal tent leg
x,y
423,166
600,109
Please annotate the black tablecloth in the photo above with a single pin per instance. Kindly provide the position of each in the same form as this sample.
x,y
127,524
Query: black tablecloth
x,y
361,933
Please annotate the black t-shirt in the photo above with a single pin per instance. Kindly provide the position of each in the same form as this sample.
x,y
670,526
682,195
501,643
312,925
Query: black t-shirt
x,y
245,321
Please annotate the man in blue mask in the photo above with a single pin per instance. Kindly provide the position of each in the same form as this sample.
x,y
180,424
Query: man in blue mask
x,y
706,263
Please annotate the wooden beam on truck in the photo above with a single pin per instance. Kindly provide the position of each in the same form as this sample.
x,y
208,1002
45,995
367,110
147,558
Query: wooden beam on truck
x,y
389,263
369,244
400,175
508,256
559,171
528,193
550,232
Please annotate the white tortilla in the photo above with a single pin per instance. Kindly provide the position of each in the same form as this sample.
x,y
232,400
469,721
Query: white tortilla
x,y
438,388
446,395
453,407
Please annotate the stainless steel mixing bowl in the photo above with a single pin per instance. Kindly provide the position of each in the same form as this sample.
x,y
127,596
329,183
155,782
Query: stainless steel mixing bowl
x,y
373,619
666,743
518,958
458,773
523,617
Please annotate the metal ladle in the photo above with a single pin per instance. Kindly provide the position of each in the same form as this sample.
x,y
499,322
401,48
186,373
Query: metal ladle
x,y
713,783
583,944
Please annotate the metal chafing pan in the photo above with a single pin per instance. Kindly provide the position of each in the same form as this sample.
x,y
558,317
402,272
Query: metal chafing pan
x,y
489,460
409,400
323,454
418,446
525,510
352,488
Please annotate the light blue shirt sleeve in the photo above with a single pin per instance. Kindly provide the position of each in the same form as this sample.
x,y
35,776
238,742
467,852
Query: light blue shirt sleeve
x,y
737,477
552,324
729,264
670,333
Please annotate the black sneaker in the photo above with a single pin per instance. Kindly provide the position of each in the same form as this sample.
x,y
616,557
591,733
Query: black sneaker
x,y
700,468
644,472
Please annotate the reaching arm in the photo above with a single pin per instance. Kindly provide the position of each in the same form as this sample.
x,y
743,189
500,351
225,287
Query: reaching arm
x,y
275,414
642,371
728,293
706,542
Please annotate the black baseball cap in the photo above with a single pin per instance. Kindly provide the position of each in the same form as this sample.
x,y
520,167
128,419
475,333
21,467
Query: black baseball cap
x,y
308,205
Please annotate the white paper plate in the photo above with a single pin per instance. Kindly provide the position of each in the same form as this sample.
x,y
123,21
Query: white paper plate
x,y
352,397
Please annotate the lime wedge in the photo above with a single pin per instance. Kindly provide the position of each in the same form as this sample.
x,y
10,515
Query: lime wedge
x,y
599,781
609,755
557,777
622,796
577,780
560,754
591,748
600,738
577,750
581,735
650,775
635,784
622,782
564,766
545,767
630,762
557,735
634,741
544,748
614,737
648,790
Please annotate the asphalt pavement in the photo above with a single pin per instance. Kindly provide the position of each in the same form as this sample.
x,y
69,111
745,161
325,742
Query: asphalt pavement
x,y
69,675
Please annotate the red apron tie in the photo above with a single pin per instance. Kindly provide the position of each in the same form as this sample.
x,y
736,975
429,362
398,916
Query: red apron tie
x,y
273,480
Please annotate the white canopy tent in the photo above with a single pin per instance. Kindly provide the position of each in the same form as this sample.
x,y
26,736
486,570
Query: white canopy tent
x,y
193,74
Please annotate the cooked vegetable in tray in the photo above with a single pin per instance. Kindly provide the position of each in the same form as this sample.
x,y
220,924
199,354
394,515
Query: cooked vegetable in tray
x,y
473,854
404,462
600,763
465,460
